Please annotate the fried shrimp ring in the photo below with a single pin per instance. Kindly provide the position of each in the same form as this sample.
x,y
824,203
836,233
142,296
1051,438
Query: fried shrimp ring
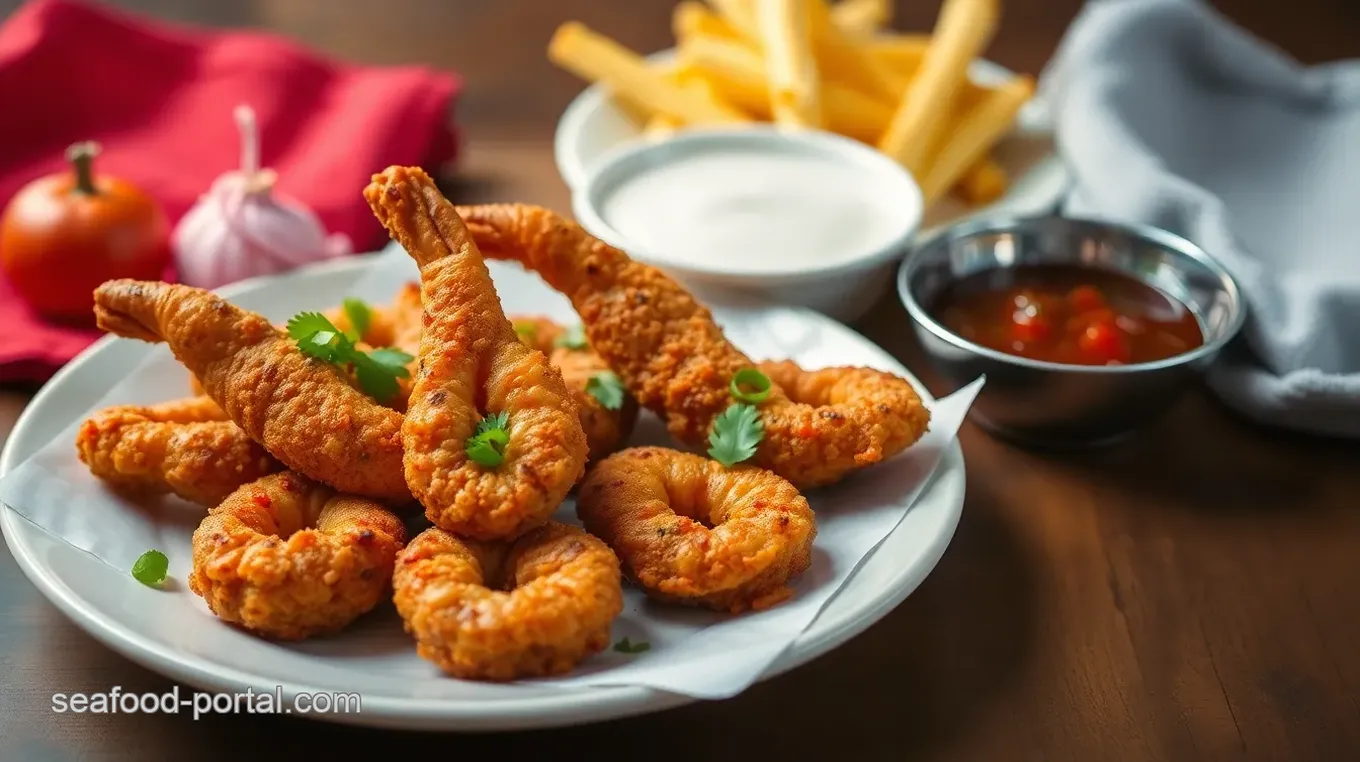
x,y
288,558
689,531
300,408
472,363
677,362
606,429
535,606
186,447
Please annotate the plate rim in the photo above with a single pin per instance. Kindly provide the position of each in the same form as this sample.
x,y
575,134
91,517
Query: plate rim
x,y
574,706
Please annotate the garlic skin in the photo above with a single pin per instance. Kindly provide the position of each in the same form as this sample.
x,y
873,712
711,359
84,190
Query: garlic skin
x,y
242,227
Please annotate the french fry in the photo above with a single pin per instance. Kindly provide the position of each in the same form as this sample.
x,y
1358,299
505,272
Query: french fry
x,y
964,28
594,57
839,57
978,128
736,73
692,18
984,182
862,18
899,53
792,70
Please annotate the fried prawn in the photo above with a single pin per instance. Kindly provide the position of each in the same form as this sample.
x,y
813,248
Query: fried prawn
x,y
288,558
534,606
689,531
606,427
303,410
185,447
473,366
677,362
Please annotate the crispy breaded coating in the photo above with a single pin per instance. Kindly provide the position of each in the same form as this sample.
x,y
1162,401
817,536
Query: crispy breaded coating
x,y
472,364
185,447
535,606
677,362
689,531
300,408
288,558
606,430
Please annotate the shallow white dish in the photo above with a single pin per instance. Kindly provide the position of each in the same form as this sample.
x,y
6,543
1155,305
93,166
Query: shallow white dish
x,y
593,125
172,634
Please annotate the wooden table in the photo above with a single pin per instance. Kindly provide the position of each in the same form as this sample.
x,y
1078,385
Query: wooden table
x,y
1188,595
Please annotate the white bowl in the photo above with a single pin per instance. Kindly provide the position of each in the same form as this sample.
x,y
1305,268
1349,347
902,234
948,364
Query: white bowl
x,y
843,287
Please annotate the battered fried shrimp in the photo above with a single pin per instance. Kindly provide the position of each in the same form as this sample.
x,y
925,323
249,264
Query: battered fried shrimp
x,y
689,531
300,408
677,362
472,364
606,429
536,606
185,447
288,558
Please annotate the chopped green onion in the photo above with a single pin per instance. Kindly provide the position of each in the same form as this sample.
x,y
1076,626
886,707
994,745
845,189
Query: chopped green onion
x,y
750,378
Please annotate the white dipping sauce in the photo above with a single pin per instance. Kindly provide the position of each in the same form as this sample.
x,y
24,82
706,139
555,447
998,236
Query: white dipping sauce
x,y
755,209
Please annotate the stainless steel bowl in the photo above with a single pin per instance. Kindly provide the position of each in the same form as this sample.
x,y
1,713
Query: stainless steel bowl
x,y
1052,404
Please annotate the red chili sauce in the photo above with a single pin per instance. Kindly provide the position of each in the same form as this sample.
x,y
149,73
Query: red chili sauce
x,y
1068,314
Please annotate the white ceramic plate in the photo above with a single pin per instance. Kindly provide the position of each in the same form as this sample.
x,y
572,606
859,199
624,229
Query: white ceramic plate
x,y
593,125
173,634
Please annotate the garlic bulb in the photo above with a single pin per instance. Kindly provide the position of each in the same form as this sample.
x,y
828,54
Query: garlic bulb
x,y
242,227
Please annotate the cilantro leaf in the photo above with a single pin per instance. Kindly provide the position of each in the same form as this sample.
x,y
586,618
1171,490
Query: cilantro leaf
x,y
150,568
627,646
393,360
606,387
305,324
360,317
572,338
737,432
377,381
487,446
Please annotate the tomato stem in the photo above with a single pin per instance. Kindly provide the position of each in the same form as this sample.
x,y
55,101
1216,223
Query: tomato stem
x,y
81,155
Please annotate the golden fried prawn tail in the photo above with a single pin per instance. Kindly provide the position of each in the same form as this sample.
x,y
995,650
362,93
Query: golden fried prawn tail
x,y
472,363
288,558
675,359
301,409
185,447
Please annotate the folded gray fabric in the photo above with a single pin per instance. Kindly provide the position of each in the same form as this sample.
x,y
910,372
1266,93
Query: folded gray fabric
x,y
1168,114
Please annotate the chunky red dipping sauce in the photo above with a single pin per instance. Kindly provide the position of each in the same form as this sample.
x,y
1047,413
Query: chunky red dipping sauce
x,y
1068,314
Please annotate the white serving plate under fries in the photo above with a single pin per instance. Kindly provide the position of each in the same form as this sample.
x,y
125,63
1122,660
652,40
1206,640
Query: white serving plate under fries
x,y
593,125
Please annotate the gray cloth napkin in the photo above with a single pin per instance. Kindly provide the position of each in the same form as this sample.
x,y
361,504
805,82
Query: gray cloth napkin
x,y
1168,114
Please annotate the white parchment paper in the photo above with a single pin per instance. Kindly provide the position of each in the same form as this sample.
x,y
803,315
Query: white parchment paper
x,y
692,652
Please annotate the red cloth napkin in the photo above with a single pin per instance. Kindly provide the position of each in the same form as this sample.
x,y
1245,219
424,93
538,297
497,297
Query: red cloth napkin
x,y
159,99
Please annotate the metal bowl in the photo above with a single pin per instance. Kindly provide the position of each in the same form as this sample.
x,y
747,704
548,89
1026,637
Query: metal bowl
x,y
1052,404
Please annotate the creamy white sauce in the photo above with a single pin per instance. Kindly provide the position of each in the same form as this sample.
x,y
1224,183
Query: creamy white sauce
x,y
756,210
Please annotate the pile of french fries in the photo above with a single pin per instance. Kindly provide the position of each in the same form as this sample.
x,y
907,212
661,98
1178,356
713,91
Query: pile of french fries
x,y
809,64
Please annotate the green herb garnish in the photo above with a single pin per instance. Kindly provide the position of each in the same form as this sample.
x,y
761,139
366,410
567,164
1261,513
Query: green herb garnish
x,y
487,445
150,568
360,317
526,331
606,387
753,380
736,433
573,338
626,646
377,371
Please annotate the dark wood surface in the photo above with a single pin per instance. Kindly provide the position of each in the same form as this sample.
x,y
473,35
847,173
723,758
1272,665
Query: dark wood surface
x,y
1189,595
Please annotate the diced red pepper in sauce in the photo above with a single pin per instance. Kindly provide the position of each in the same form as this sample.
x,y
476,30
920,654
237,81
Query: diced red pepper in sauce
x,y
1068,314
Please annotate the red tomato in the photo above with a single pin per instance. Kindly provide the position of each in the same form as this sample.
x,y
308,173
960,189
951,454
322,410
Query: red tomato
x,y
1105,343
1085,299
64,234
1029,325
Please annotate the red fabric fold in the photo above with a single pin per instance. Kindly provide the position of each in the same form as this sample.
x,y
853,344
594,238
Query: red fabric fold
x,y
159,98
